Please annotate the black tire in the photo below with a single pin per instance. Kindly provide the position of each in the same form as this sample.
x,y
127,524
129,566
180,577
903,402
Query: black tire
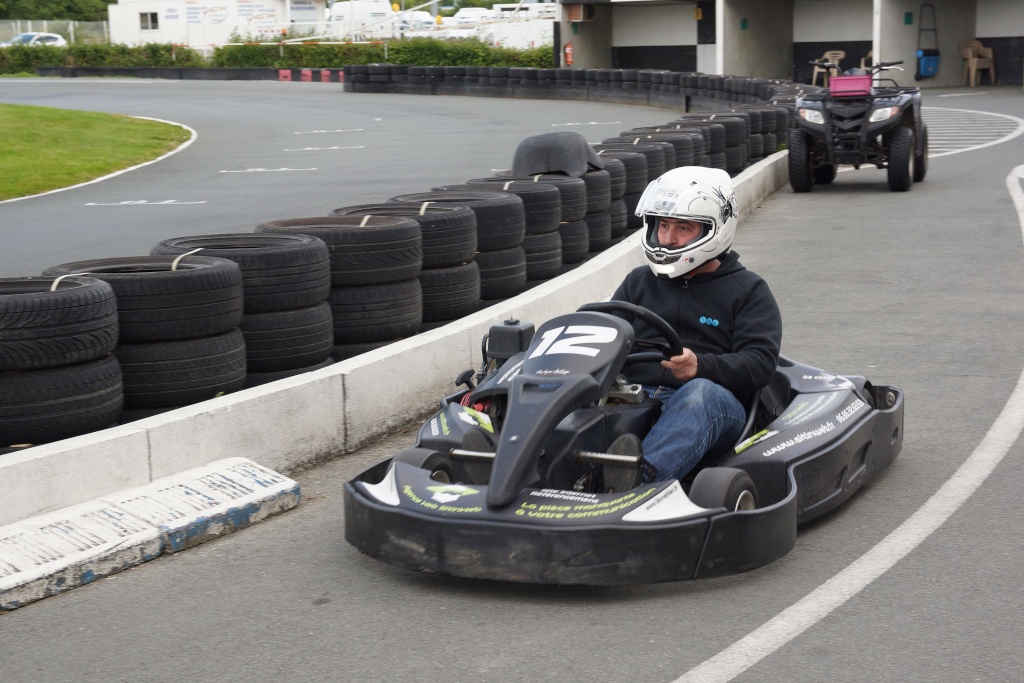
x,y
439,465
373,313
921,160
365,249
180,373
450,293
500,216
502,273
543,256
617,174
618,214
824,174
901,159
542,202
279,272
724,487
255,379
599,227
575,241
573,193
284,340
40,406
599,190
40,328
448,230
654,161
200,297
800,161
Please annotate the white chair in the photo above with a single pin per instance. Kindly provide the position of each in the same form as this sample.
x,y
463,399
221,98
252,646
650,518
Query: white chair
x,y
832,57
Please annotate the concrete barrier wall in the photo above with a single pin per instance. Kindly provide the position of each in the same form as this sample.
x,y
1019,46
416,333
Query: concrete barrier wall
x,y
319,415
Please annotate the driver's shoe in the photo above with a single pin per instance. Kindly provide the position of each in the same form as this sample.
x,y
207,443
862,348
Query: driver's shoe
x,y
623,478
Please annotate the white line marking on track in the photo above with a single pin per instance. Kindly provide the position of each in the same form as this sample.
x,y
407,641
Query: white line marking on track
x,y
340,130
586,123
267,170
791,622
141,202
314,149
126,170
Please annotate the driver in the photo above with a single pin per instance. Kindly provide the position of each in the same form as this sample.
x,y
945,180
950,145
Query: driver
x,y
725,315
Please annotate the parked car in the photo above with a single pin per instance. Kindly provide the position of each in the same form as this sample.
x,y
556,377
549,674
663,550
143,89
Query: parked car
x,y
36,39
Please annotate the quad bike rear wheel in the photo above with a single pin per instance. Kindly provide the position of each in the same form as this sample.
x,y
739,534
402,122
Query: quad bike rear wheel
x,y
800,161
724,487
921,161
901,159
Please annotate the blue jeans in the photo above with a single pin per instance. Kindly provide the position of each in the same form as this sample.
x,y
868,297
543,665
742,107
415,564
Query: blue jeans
x,y
697,418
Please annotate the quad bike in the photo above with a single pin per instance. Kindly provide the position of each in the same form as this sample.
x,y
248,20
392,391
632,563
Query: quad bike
x,y
517,478
859,119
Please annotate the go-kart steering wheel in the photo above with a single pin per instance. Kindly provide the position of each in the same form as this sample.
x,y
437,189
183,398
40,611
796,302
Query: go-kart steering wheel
x,y
672,346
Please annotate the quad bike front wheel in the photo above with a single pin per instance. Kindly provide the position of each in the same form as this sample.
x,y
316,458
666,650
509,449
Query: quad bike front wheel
x,y
800,161
724,487
901,159
824,174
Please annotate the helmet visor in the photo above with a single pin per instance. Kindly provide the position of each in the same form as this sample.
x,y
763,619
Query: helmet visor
x,y
669,237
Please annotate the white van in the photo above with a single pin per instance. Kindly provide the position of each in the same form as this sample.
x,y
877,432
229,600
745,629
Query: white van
x,y
364,18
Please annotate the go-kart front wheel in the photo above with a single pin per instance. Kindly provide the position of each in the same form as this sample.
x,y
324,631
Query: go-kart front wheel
x,y
724,487
438,464
800,178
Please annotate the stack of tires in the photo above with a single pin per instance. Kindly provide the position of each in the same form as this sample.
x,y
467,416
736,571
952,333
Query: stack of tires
x,y
636,179
617,210
500,228
286,279
178,336
572,229
542,204
375,296
58,377
450,279
598,184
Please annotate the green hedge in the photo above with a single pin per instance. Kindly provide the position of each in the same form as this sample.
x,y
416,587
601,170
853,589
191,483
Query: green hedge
x,y
418,51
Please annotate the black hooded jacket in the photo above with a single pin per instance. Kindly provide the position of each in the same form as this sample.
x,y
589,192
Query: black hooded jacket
x,y
727,317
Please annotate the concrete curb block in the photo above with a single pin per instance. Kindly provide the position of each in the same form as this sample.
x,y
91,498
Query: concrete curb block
x,y
59,551
311,418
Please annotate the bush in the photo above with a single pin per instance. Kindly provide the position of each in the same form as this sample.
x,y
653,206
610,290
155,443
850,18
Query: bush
x,y
417,51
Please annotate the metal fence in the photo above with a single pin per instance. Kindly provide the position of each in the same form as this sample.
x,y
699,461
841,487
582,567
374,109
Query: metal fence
x,y
73,31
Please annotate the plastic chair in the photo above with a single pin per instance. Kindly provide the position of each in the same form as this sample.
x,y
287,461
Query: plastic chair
x,y
977,58
866,60
832,57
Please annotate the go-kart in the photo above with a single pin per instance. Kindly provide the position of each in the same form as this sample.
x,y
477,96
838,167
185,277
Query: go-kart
x,y
859,119
512,479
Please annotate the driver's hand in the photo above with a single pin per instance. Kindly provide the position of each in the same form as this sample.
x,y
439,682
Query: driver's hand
x,y
683,366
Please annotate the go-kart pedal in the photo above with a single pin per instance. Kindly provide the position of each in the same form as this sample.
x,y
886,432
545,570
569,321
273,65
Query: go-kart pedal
x,y
623,477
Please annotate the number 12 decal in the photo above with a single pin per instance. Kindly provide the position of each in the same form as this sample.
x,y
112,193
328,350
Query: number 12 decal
x,y
551,344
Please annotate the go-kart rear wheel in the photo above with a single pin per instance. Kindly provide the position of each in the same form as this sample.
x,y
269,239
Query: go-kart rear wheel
x,y
800,161
824,174
724,487
438,464
901,159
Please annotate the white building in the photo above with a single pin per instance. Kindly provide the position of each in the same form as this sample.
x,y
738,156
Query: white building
x,y
210,22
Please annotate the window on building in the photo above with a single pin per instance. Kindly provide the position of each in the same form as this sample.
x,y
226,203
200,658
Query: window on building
x,y
149,21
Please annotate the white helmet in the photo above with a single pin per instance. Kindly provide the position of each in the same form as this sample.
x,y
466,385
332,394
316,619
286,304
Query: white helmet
x,y
693,193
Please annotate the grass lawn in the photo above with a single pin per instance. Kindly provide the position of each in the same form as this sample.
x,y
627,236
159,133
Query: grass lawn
x,y
45,149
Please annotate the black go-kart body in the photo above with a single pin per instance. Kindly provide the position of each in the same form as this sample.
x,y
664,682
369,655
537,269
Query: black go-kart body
x,y
859,120
512,480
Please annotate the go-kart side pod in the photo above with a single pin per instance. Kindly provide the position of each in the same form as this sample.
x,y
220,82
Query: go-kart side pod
x,y
398,514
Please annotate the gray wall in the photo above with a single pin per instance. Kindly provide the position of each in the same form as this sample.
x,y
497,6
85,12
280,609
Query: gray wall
x,y
765,48
954,21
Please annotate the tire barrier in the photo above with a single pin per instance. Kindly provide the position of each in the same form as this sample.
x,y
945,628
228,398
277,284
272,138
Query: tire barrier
x,y
375,262
178,319
286,279
449,280
58,378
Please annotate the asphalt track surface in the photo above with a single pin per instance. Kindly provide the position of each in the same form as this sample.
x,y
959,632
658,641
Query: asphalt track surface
x,y
919,289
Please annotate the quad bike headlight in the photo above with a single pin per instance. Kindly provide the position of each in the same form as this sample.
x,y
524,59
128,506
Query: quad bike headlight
x,y
883,114
812,115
